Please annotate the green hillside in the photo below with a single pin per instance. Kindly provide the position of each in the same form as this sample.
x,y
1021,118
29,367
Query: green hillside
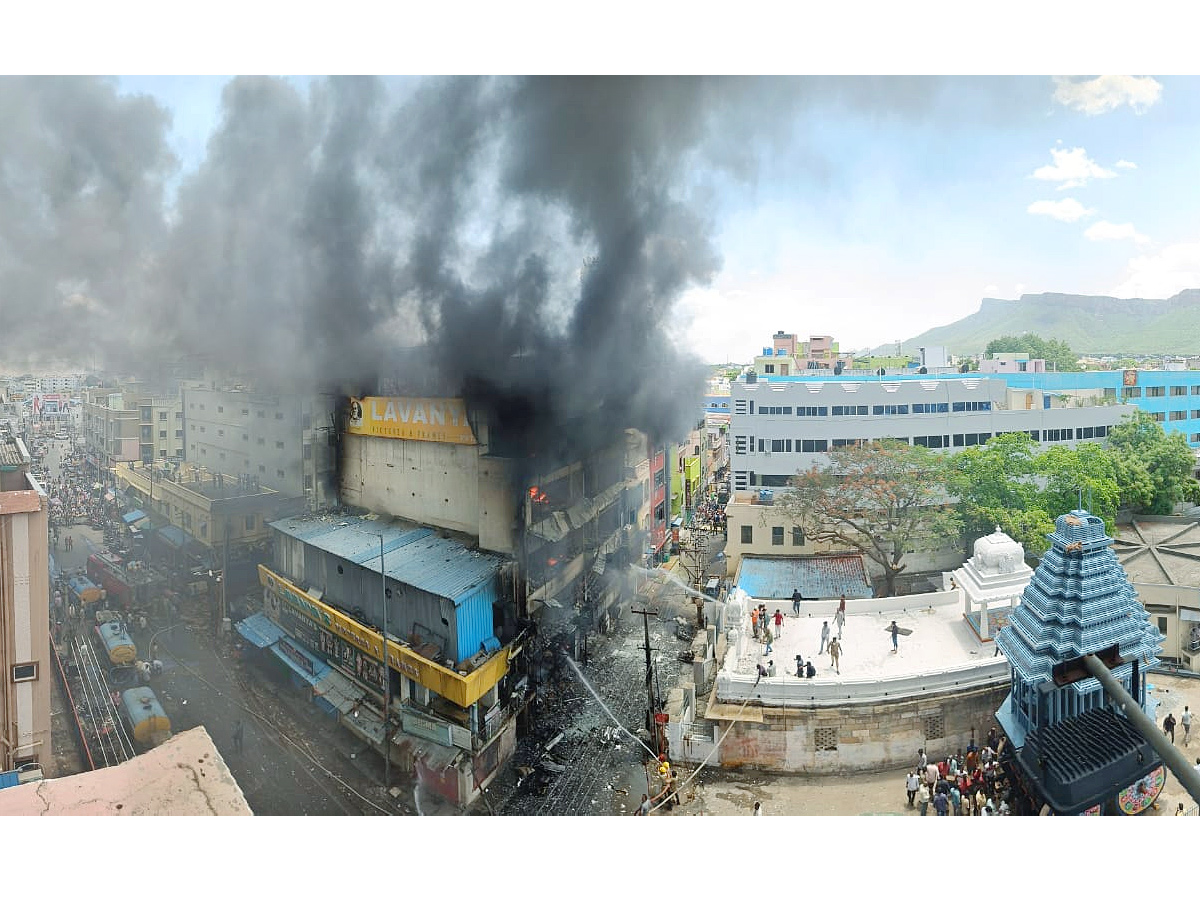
x,y
1092,326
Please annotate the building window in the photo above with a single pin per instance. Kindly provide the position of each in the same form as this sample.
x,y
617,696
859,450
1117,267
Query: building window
x,y
162,417
245,412
1159,417
1132,392
220,409
797,536
203,529
972,406
279,416
1179,390
25,672
261,441
162,433
308,482
777,536
1178,415
178,417
178,432
221,432
245,437
825,740
813,446
262,414
250,527
308,451
202,429
1158,391
747,534
279,445
279,473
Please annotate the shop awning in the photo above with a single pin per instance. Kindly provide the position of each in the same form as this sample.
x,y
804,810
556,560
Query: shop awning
x,y
259,630
339,691
130,517
300,660
173,535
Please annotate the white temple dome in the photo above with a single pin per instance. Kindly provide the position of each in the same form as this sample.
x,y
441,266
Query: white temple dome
x,y
997,553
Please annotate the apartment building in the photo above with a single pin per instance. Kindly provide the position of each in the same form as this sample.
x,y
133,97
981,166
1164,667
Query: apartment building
x,y
286,442
25,735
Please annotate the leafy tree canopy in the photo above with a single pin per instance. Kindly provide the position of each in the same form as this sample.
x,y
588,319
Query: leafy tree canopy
x,y
885,499
1153,468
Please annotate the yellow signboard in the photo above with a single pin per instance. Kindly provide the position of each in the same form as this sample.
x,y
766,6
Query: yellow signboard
x,y
442,420
462,690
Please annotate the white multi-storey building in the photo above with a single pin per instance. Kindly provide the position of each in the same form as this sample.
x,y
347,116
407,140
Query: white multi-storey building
x,y
783,425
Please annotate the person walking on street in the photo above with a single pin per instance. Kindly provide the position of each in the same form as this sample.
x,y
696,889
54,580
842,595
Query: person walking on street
x,y
754,622
839,619
835,654
796,598
824,637
923,798
770,641
778,617
758,808
911,784
895,630
799,666
941,803
1169,726
1186,721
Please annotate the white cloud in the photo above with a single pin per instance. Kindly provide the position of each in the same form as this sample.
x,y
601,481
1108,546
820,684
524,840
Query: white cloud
x,y
1065,210
990,290
1108,231
1108,92
1163,275
1126,164
1073,168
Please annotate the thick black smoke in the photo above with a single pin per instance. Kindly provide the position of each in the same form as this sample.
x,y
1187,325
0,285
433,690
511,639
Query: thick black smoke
x,y
531,234
82,185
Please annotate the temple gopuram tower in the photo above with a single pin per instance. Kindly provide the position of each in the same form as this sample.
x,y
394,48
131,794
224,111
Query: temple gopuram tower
x,y
1069,747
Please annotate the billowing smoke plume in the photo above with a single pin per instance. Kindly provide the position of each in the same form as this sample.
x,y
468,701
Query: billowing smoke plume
x,y
532,235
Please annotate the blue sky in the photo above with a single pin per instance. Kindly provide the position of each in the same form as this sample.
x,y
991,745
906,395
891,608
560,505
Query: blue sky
x,y
896,209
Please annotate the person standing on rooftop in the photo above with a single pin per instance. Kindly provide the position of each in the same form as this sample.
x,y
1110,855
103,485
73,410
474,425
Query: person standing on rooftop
x,y
824,637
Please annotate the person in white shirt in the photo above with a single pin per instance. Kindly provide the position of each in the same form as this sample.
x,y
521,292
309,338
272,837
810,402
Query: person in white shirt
x,y
1186,721
911,784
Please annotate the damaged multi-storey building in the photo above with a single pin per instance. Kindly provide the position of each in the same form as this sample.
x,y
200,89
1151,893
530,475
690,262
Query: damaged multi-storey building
x,y
480,562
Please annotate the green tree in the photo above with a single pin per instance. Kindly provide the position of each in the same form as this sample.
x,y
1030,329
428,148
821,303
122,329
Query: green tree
x,y
998,485
885,499
1085,473
1153,468
1058,355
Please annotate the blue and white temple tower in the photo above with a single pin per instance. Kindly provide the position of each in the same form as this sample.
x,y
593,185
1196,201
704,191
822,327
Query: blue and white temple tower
x,y
1071,747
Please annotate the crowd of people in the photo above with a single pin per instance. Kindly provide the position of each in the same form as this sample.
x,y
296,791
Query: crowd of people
x,y
709,516
971,783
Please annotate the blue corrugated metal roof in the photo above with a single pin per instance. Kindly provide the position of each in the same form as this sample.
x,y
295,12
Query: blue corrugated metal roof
x,y
130,517
259,630
412,554
774,578
173,534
